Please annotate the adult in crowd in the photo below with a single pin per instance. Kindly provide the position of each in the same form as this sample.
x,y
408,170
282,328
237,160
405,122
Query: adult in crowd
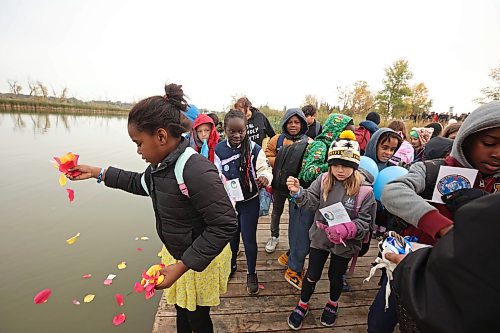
x,y
258,126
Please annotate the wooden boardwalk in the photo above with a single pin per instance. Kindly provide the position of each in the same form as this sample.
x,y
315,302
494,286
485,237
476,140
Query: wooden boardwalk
x,y
268,311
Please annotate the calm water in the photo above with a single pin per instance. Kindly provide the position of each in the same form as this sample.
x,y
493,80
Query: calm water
x,y
36,218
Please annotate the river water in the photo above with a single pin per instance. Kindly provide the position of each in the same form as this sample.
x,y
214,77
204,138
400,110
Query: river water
x,y
36,218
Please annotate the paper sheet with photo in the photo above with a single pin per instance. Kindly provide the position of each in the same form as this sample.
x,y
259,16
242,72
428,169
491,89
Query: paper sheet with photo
x,y
335,214
451,179
233,189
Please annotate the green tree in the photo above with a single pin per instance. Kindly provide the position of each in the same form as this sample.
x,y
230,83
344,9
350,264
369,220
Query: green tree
x,y
491,93
393,98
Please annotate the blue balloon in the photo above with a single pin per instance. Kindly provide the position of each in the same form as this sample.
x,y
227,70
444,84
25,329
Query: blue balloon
x,y
385,176
370,166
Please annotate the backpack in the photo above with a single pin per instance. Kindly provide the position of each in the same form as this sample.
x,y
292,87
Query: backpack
x,y
288,163
363,135
178,171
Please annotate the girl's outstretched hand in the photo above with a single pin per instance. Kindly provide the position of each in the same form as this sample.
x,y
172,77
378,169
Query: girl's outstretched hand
x,y
87,172
172,273
293,184
262,182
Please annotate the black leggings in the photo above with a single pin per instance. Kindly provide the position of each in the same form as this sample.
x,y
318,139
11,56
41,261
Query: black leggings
x,y
317,260
198,321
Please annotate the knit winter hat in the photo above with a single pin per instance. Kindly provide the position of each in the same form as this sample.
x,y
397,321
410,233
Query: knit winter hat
x,y
373,116
345,151
423,133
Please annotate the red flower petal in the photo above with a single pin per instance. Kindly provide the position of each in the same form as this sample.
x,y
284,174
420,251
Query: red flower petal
x,y
87,276
108,282
42,296
138,288
119,319
119,299
261,286
150,293
71,194
139,249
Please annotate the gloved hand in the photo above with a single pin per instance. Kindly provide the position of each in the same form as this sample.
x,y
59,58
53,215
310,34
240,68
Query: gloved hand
x,y
457,199
204,149
339,232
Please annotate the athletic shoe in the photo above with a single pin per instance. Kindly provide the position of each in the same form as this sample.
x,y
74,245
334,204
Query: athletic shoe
x,y
329,315
271,244
297,317
294,278
252,284
283,259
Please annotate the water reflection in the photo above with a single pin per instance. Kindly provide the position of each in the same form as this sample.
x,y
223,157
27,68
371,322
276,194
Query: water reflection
x,y
40,123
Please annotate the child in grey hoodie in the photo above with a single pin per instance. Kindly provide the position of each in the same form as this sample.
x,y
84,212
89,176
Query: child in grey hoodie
x,y
477,146
343,183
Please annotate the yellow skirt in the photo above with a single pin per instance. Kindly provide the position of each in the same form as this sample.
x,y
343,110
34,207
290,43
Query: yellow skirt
x,y
199,288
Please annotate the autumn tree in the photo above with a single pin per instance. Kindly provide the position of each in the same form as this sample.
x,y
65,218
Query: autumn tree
x,y
344,98
491,93
311,100
357,100
419,99
392,99
15,87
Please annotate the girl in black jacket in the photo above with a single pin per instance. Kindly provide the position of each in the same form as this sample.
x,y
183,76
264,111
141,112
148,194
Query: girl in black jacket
x,y
195,220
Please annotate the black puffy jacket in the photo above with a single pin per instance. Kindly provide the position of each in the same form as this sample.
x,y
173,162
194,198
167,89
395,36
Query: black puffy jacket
x,y
195,229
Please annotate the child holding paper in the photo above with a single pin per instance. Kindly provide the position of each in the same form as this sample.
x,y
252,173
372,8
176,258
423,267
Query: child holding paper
x,y
195,227
342,183
246,168
477,146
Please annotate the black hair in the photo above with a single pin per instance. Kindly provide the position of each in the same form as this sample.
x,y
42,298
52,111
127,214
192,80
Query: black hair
x,y
386,136
157,112
246,149
214,118
309,110
437,129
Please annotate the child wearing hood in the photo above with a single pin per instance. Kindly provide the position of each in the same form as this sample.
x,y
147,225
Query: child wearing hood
x,y
314,163
294,127
419,138
405,153
382,146
477,146
204,136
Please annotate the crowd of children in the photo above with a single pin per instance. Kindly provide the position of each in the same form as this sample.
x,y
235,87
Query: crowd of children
x,y
204,179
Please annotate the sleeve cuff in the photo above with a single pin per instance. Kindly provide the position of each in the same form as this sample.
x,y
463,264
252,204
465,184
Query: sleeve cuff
x,y
432,222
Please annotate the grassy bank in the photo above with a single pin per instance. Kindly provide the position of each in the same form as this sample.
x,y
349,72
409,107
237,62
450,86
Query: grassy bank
x,y
43,106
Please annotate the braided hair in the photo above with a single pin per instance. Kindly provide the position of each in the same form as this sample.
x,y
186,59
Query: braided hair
x,y
157,112
246,151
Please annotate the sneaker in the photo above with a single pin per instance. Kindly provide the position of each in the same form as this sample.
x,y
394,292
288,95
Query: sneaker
x,y
233,270
271,244
294,279
252,284
329,315
345,285
283,259
297,317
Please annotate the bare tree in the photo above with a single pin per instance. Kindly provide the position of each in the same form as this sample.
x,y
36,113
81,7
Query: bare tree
x,y
43,89
15,87
33,88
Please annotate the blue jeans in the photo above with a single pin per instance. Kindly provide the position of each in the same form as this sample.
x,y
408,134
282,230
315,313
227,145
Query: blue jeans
x,y
381,320
248,216
298,236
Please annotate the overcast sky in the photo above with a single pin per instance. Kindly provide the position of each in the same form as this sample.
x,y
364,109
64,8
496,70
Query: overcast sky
x,y
275,52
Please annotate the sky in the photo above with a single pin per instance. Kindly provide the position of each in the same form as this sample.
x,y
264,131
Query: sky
x,y
274,52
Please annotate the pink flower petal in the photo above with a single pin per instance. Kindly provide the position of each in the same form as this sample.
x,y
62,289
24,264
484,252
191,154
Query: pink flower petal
x,y
138,288
119,299
76,302
119,319
150,293
139,249
42,296
108,282
87,276
71,194
261,286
